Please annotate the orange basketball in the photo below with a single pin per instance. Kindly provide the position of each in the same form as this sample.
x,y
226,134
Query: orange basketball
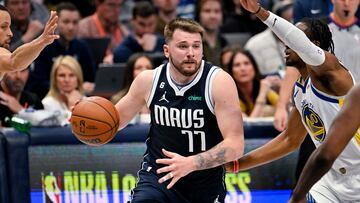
x,y
94,121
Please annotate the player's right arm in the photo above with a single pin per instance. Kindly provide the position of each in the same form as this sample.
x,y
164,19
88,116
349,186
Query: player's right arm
x,y
24,55
135,99
340,133
286,142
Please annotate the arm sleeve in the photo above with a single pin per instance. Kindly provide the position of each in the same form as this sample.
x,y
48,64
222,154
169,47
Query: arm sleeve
x,y
296,40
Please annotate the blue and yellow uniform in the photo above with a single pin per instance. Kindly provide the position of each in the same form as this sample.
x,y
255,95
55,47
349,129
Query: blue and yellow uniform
x,y
318,110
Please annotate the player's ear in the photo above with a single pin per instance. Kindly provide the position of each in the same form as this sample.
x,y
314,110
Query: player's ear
x,y
166,50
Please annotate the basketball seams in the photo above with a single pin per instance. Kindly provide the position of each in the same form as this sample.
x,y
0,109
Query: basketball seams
x,y
103,119
104,109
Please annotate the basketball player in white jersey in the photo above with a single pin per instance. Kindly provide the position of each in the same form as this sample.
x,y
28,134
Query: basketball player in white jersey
x,y
23,56
318,97
338,138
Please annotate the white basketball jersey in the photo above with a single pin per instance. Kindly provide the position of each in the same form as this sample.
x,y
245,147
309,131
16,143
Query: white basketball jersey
x,y
318,110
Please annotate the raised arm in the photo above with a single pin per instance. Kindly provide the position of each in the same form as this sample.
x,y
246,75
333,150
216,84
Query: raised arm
x,y
338,137
286,142
24,55
288,33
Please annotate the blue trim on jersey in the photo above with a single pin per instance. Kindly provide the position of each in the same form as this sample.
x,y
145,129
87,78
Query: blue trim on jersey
x,y
302,87
323,97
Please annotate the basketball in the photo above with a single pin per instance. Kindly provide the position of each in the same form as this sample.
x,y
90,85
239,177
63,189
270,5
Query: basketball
x,y
94,121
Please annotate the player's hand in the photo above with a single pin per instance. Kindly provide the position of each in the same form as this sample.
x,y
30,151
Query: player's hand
x,y
250,5
177,166
48,36
300,201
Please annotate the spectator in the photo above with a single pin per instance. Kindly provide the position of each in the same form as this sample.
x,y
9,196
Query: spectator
x,y
68,44
166,13
65,87
143,37
313,9
136,64
266,48
210,15
104,23
345,29
28,18
225,56
13,98
257,99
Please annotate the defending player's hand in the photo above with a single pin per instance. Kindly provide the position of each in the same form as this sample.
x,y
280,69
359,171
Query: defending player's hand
x,y
49,31
177,167
250,5
300,201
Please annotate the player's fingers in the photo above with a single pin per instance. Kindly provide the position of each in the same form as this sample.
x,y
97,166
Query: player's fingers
x,y
168,154
172,183
166,177
164,169
164,161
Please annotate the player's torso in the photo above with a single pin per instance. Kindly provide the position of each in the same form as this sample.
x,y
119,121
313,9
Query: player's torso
x,y
318,110
182,120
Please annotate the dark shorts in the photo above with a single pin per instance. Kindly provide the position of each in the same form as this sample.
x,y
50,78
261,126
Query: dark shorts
x,y
149,190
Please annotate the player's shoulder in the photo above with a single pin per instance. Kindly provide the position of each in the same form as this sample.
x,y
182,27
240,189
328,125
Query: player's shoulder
x,y
4,51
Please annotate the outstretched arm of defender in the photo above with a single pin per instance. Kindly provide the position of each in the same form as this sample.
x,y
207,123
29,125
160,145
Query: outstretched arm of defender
x,y
286,142
23,56
339,136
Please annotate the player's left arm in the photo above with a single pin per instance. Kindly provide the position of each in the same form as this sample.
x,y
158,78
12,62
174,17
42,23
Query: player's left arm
x,y
341,132
229,118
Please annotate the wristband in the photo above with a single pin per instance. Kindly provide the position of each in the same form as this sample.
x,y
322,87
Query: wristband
x,y
257,10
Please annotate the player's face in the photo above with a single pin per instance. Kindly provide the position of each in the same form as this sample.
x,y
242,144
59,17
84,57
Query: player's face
x,y
211,15
68,24
140,65
66,80
242,69
16,81
184,52
5,32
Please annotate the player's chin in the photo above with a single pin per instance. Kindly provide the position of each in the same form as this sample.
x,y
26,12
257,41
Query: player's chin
x,y
6,45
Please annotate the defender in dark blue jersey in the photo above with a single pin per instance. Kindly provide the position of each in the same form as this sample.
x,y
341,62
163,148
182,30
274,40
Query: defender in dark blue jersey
x,y
196,123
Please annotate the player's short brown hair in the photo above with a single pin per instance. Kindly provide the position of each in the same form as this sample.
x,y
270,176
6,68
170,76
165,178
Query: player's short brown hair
x,y
183,24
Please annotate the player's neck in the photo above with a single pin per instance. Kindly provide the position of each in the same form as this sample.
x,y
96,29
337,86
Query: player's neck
x,y
181,79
